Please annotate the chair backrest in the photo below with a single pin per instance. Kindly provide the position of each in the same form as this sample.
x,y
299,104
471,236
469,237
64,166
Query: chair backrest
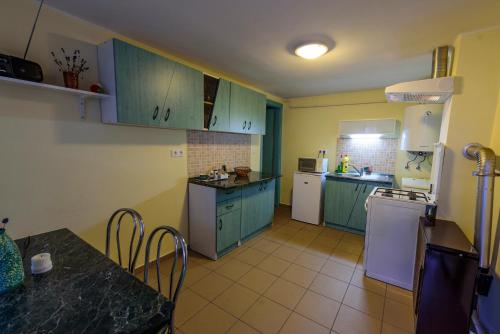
x,y
133,251
179,246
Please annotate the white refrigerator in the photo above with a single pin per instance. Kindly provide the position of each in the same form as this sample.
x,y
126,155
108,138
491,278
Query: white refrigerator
x,y
307,202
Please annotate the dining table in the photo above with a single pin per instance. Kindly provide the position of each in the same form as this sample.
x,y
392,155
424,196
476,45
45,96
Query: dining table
x,y
84,292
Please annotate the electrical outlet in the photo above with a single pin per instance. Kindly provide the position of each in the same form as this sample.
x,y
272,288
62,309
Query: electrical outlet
x,y
177,153
323,151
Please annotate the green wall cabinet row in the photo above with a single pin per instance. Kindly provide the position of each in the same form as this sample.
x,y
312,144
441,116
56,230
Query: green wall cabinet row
x,y
344,206
238,109
222,219
150,90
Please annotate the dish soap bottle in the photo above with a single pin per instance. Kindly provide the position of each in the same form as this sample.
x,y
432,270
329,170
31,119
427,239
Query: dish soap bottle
x,y
345,164
11,266
339,166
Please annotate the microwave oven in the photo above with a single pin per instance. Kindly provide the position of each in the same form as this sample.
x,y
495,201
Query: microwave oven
x,y
313,165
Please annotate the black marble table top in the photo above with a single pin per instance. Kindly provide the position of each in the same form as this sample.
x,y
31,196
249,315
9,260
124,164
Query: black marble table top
x,y
235,181
85,292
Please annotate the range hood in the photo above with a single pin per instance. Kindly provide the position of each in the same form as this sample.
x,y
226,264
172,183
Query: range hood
x,y
436,90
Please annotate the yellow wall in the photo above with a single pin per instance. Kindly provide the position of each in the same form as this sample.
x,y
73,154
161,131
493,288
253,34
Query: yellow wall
x,y
309,126
59,171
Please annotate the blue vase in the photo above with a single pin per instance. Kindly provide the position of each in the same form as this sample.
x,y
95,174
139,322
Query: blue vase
x,y
11,264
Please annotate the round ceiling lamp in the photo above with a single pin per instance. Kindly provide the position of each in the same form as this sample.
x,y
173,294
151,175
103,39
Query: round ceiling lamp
x,y
311,50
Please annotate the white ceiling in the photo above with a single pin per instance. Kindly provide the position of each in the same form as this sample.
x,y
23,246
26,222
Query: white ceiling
x,y
378,42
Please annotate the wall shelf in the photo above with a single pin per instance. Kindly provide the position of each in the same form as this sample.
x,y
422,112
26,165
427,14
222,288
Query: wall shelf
x,y
82,94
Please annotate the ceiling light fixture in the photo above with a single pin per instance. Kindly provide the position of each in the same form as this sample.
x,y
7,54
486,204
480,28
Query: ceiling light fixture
x,y
311,50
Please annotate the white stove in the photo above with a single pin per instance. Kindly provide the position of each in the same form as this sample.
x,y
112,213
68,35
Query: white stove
x,y
391,234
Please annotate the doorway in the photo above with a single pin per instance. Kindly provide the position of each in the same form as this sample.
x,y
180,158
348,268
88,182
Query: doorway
x,y
271,145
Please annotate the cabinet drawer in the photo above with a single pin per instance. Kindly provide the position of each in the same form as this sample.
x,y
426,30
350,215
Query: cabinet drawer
x,y
226,194
228,206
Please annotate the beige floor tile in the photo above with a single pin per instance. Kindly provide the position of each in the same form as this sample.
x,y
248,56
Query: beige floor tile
x,y
233,269
287,253
399,295
332,233
194,274
327,241
242,328
277,237
212,265
329,287
361,263
297,324
285,293
274,265
390,329
211,286
188,304
320,250
266,246
351,321
298,243
318,308
350,247
266,316
257,280
364,301
236,300
346,258
237,251
337,270
360,280
210,320
251,256
255,240
356,238
299,275
310,261
399,315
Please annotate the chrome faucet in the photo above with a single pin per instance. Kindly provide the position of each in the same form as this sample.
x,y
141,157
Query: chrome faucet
x,y
359,171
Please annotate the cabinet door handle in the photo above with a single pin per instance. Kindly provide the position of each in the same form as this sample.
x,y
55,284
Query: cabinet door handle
x,y
215,120
366,185
357,186
220,224
244,125
229,206
249,125
306,182
155,112
167,114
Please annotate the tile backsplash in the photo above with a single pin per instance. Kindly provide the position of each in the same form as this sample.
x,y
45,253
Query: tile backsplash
x,y
380,154
208,150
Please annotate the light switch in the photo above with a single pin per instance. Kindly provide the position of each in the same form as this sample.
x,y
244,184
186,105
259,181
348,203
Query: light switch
x,y
177,153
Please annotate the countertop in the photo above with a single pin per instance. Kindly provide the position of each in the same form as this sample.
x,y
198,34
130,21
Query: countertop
x,y
235,181
373,177
85,292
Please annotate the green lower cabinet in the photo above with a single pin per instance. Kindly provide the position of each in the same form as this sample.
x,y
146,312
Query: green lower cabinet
x,y
345,203
228,230
257,207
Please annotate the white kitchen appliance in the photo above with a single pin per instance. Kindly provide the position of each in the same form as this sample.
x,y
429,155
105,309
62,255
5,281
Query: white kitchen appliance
x,y
436,90
313,165
421,127
308,192
392,232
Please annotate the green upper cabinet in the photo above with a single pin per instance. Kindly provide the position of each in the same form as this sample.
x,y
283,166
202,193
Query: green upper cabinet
x,y
145,85
247,110
183,107
220,114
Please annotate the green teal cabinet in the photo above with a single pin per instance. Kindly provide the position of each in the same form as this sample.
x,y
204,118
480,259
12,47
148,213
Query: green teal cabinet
x,y
228,230
247,110
147,89
257,207
220,113
344,205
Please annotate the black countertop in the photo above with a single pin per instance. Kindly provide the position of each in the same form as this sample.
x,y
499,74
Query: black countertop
x,y
235,181
85,292
373,177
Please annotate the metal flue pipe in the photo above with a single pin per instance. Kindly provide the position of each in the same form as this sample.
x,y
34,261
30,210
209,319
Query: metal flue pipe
x,y
486,159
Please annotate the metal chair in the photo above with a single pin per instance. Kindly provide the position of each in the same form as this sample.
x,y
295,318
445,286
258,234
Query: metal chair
x,y
133,252
179,246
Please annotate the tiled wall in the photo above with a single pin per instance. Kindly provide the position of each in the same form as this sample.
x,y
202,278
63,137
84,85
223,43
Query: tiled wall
x,y
209,150
380,154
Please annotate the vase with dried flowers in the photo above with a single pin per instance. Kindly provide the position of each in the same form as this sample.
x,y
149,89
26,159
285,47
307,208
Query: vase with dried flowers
x,y
72,67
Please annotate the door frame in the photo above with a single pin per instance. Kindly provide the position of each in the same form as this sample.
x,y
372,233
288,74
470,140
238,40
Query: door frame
x,y
277,109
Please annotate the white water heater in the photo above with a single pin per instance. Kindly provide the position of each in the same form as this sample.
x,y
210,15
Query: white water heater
x,y
421,127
